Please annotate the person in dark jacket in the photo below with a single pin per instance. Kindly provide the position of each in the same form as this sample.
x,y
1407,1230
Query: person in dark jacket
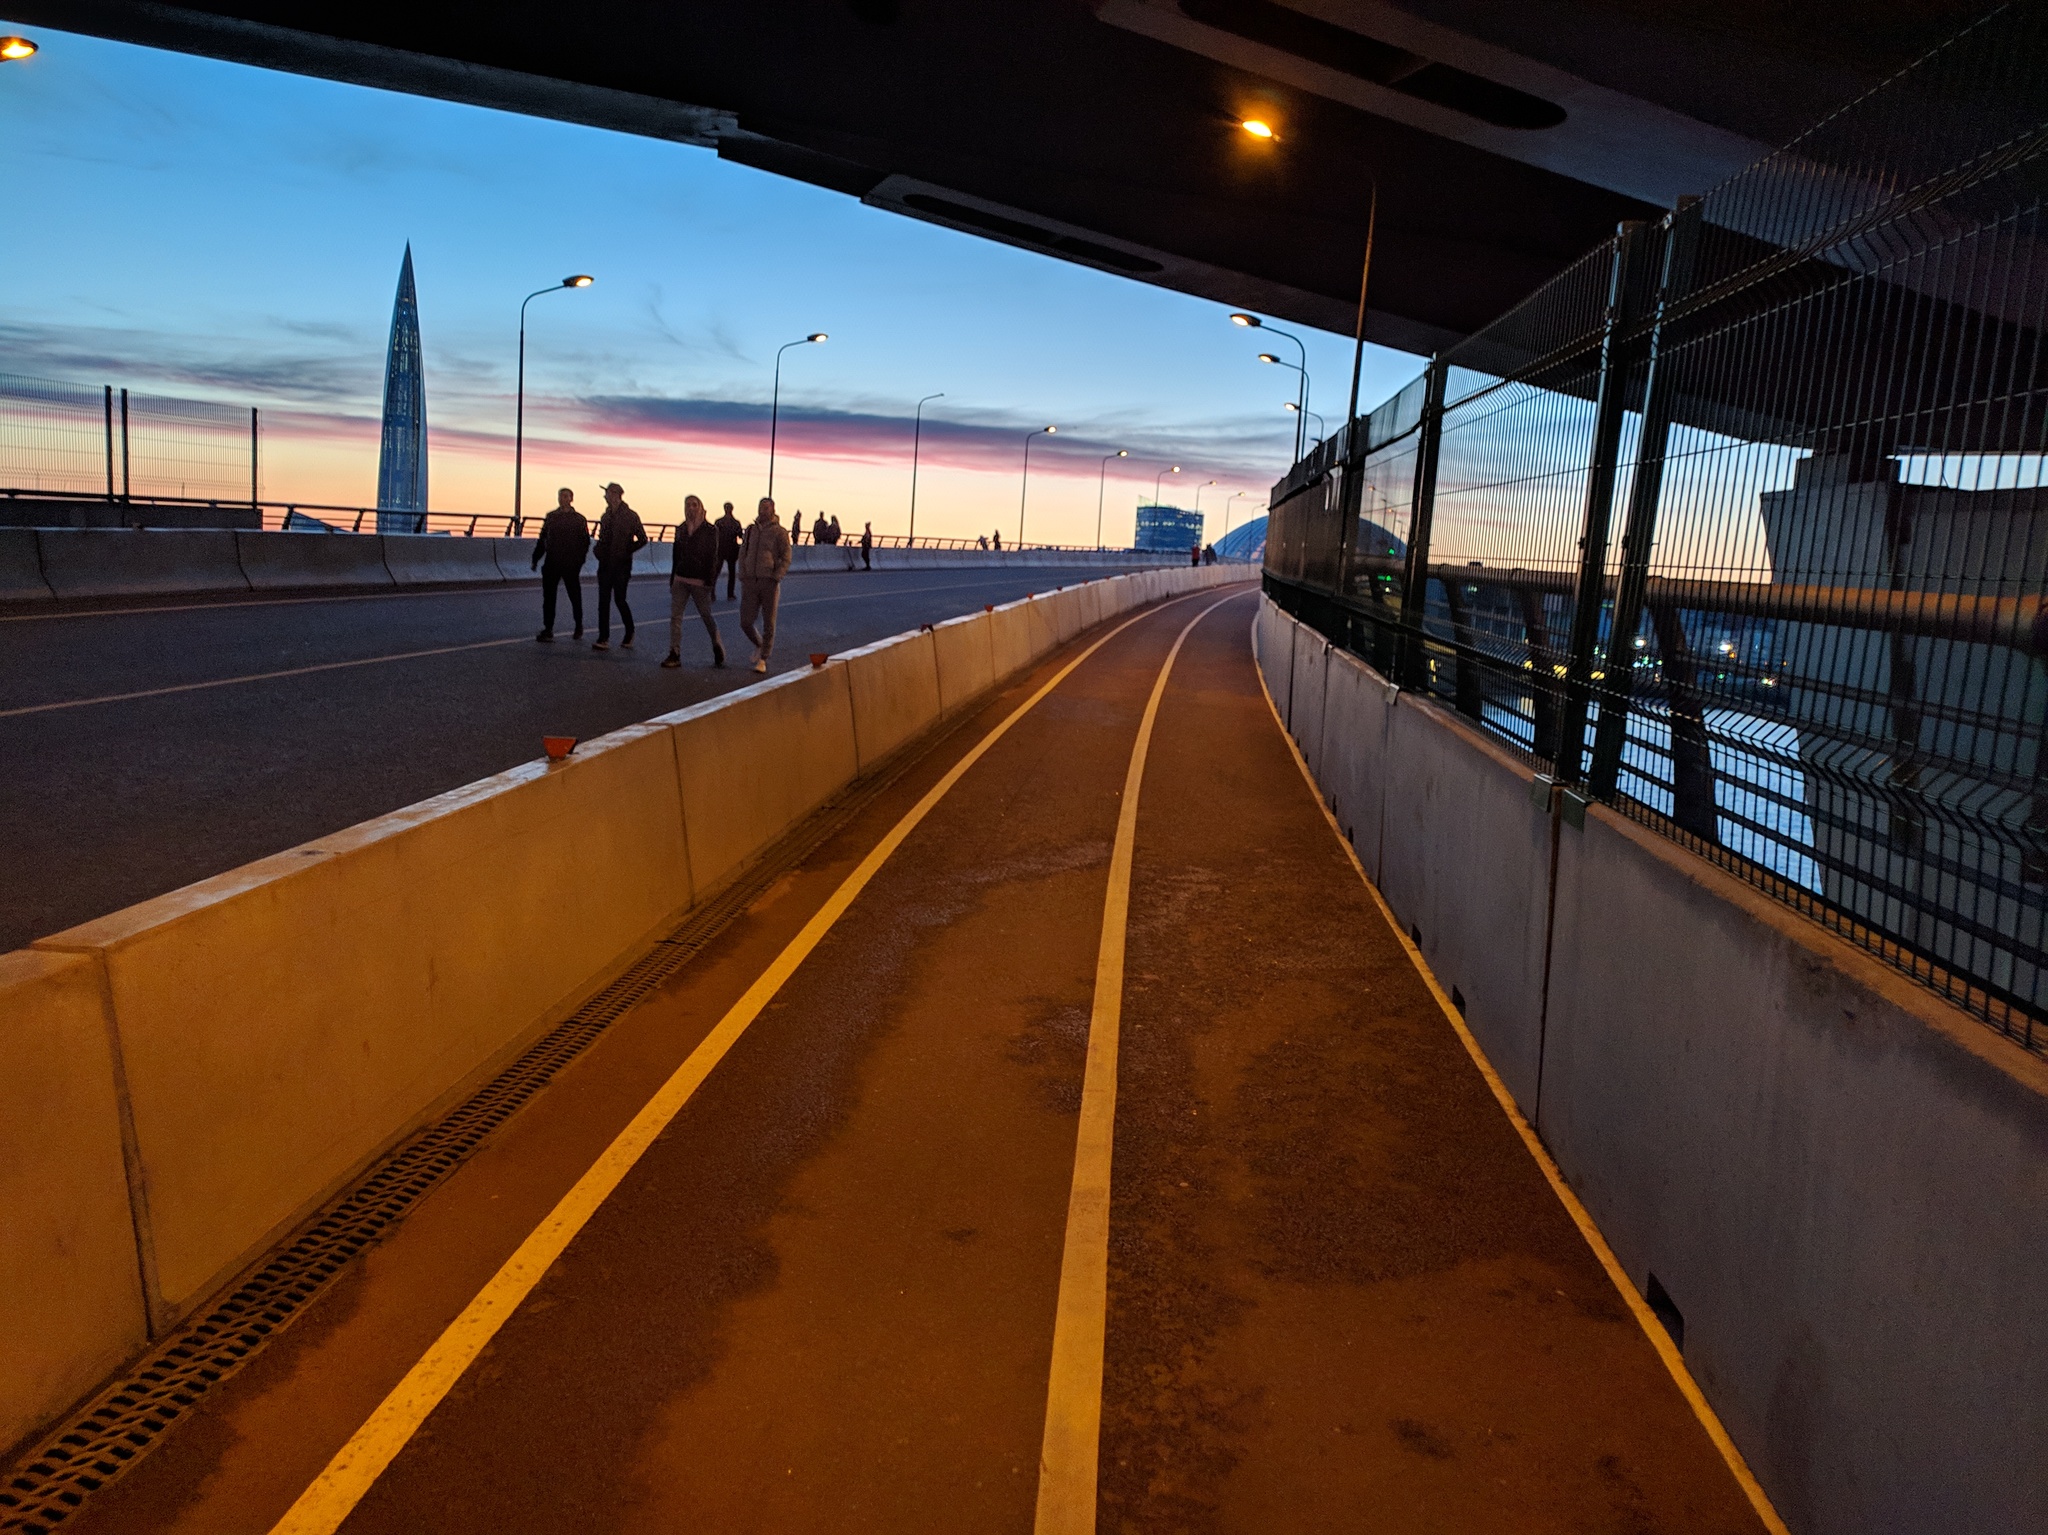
x,y
796,529
558,555
867,546
693,577
729,530
619,537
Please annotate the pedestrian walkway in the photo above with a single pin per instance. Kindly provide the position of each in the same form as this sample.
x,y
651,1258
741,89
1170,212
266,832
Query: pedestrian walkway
x,y
858,1279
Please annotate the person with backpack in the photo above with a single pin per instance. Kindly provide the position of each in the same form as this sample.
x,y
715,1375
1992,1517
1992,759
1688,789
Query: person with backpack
x,y
693,577
764,561
619,537
730,530
558,555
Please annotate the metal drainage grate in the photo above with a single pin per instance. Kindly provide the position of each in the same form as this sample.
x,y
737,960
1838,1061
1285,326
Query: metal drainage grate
x,y
124,1422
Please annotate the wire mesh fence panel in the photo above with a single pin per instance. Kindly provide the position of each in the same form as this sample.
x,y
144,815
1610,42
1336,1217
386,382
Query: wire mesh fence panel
x,y
189,448
53,437
1740,523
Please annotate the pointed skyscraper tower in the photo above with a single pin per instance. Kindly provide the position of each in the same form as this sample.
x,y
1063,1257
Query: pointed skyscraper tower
x,y
402,462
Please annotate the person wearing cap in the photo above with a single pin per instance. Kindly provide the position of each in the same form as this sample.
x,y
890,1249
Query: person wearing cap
x,y
619,537
693,577
558,555
764,561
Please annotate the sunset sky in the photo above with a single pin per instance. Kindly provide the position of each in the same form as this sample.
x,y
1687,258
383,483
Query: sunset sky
x,y
187,227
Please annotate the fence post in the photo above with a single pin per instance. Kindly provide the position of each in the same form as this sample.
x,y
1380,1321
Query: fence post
x,y
110,441
253,502
1639,534
124,445
1611,404
1412,672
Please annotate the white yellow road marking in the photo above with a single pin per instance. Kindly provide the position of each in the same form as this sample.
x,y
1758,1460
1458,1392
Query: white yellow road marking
x,y
1073,1402
334,1494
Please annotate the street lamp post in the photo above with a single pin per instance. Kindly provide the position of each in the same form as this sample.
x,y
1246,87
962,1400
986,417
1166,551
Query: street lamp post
x,y
917,437
1262,130
1253,322
1198,506
1162,474
579,280
1024,489
1226,510
775,404
1101,482
1322,426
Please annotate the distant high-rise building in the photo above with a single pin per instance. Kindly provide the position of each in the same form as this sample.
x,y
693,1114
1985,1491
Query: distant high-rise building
x,y
1167,527
402,461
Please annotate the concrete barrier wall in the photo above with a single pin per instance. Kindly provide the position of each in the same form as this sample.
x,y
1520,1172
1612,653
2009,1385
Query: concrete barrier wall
x,y
751,771
1840,1181
71,1305
1352,769
964,649
21,568
417,559
131,562
289,561
319,1003
241,1048
895,686
38,564
1011,637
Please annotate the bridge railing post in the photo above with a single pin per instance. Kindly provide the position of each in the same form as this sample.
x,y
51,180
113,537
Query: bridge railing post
x,y
1413,668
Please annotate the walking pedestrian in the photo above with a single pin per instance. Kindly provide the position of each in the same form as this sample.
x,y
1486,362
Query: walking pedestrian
x,y
693,577
619,537
867,546
729,530
764,561
558,555
796,528
1194,554
999,540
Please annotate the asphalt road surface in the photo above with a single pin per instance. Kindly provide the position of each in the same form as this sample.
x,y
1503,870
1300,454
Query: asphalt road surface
x,y
148,746
1331,1289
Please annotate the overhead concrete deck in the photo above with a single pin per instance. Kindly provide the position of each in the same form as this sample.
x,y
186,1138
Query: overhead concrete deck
x,y
1341,1293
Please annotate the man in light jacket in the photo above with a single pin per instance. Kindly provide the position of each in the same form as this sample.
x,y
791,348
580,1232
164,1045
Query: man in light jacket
x,y
619,537
764,561
693,577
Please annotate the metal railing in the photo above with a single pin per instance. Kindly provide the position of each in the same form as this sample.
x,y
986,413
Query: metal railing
x,y
313,517
1739,524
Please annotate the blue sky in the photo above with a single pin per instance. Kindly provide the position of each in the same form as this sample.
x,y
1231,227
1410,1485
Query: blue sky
x,y
194,227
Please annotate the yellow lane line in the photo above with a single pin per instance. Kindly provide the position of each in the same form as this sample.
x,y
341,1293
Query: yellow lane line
x,y
323,1506
1073,1403
1653,1329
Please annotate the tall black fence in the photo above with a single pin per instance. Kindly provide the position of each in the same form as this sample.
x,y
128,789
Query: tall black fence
x,y
1739,524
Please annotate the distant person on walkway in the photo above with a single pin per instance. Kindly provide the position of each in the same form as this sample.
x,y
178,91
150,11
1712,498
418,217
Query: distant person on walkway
x,y
1194,554
867,546
982,540
693,577
999,540
729,530
558,555
796,528
1208,554
619,537
764,561
836,534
